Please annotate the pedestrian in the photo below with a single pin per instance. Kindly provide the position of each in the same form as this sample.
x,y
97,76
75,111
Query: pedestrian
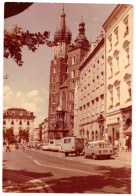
x,y
7,147
127,144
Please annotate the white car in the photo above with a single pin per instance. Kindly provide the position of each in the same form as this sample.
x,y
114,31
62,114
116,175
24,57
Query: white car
x,y
98,149
45,146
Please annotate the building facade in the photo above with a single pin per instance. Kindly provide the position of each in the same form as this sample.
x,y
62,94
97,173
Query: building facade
x,y
89,94
18,119
118,50
43,128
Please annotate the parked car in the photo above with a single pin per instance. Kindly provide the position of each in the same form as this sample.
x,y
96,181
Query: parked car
x,y
98,149
73,145
45,146
55,145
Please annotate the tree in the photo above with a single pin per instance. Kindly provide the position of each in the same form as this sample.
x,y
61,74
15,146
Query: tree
x,y
15,40
9,135
23,134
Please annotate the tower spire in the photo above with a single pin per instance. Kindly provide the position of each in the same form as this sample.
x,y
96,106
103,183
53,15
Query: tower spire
x,y
62,24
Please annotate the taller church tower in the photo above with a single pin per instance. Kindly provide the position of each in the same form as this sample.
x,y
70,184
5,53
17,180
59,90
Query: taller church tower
x,y
58,76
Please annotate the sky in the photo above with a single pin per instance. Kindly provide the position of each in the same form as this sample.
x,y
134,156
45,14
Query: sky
x,y
28,86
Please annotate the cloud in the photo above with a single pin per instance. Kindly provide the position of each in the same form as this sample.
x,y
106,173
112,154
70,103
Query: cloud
x,y
33,93
35,101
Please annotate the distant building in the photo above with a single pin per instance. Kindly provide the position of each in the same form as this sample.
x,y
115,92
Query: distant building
x,y
36,135
43,129
18,119
118,50
89,118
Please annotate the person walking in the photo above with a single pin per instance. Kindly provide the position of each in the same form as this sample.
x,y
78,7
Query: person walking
x,y
7,147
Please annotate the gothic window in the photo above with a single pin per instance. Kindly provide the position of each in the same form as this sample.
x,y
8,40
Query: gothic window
x,y
73,60
73,74
54,70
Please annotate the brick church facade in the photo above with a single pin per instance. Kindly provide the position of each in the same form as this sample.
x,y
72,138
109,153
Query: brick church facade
x,y
64,76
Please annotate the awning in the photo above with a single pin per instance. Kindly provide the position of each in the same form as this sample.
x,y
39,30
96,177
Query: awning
x,y
128,131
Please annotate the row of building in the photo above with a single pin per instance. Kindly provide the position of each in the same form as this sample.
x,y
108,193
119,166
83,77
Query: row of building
x,y
90,92
91,83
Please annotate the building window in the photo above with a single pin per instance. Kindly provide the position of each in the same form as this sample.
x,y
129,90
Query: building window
x,y
28,122
118,95
127,56
116,56
110,42
102,103
102,77
110,66
12,122
97,105
54,70
116,36
129,89
125,21
4,122
92,107
20,122
73,60
111,98
73,74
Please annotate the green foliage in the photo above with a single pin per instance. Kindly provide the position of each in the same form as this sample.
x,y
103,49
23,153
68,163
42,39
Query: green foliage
x,y
15,40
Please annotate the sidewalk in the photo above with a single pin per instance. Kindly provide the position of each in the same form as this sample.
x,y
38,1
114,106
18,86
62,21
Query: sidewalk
x,y
126,156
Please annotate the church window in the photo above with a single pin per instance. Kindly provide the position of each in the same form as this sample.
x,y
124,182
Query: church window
x,y
73,60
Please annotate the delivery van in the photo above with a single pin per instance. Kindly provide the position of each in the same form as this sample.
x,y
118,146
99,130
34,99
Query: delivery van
x,y
73,145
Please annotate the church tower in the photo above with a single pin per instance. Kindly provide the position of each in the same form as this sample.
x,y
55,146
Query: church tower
x,y
58,76
76,53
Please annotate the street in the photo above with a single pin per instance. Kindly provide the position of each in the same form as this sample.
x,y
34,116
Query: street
x,y
31,171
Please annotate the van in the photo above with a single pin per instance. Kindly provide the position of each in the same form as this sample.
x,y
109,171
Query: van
x,y
55,145
73,145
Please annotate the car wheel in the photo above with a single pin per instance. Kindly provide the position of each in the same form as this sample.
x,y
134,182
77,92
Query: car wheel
x,y
108,157
94,156
78,153
66,154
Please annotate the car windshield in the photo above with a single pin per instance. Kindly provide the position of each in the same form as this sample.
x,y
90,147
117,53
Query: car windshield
x,y
102,145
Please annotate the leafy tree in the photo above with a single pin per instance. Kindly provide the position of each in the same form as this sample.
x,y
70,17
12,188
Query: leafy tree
x,y
15,40
9,135
23,134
